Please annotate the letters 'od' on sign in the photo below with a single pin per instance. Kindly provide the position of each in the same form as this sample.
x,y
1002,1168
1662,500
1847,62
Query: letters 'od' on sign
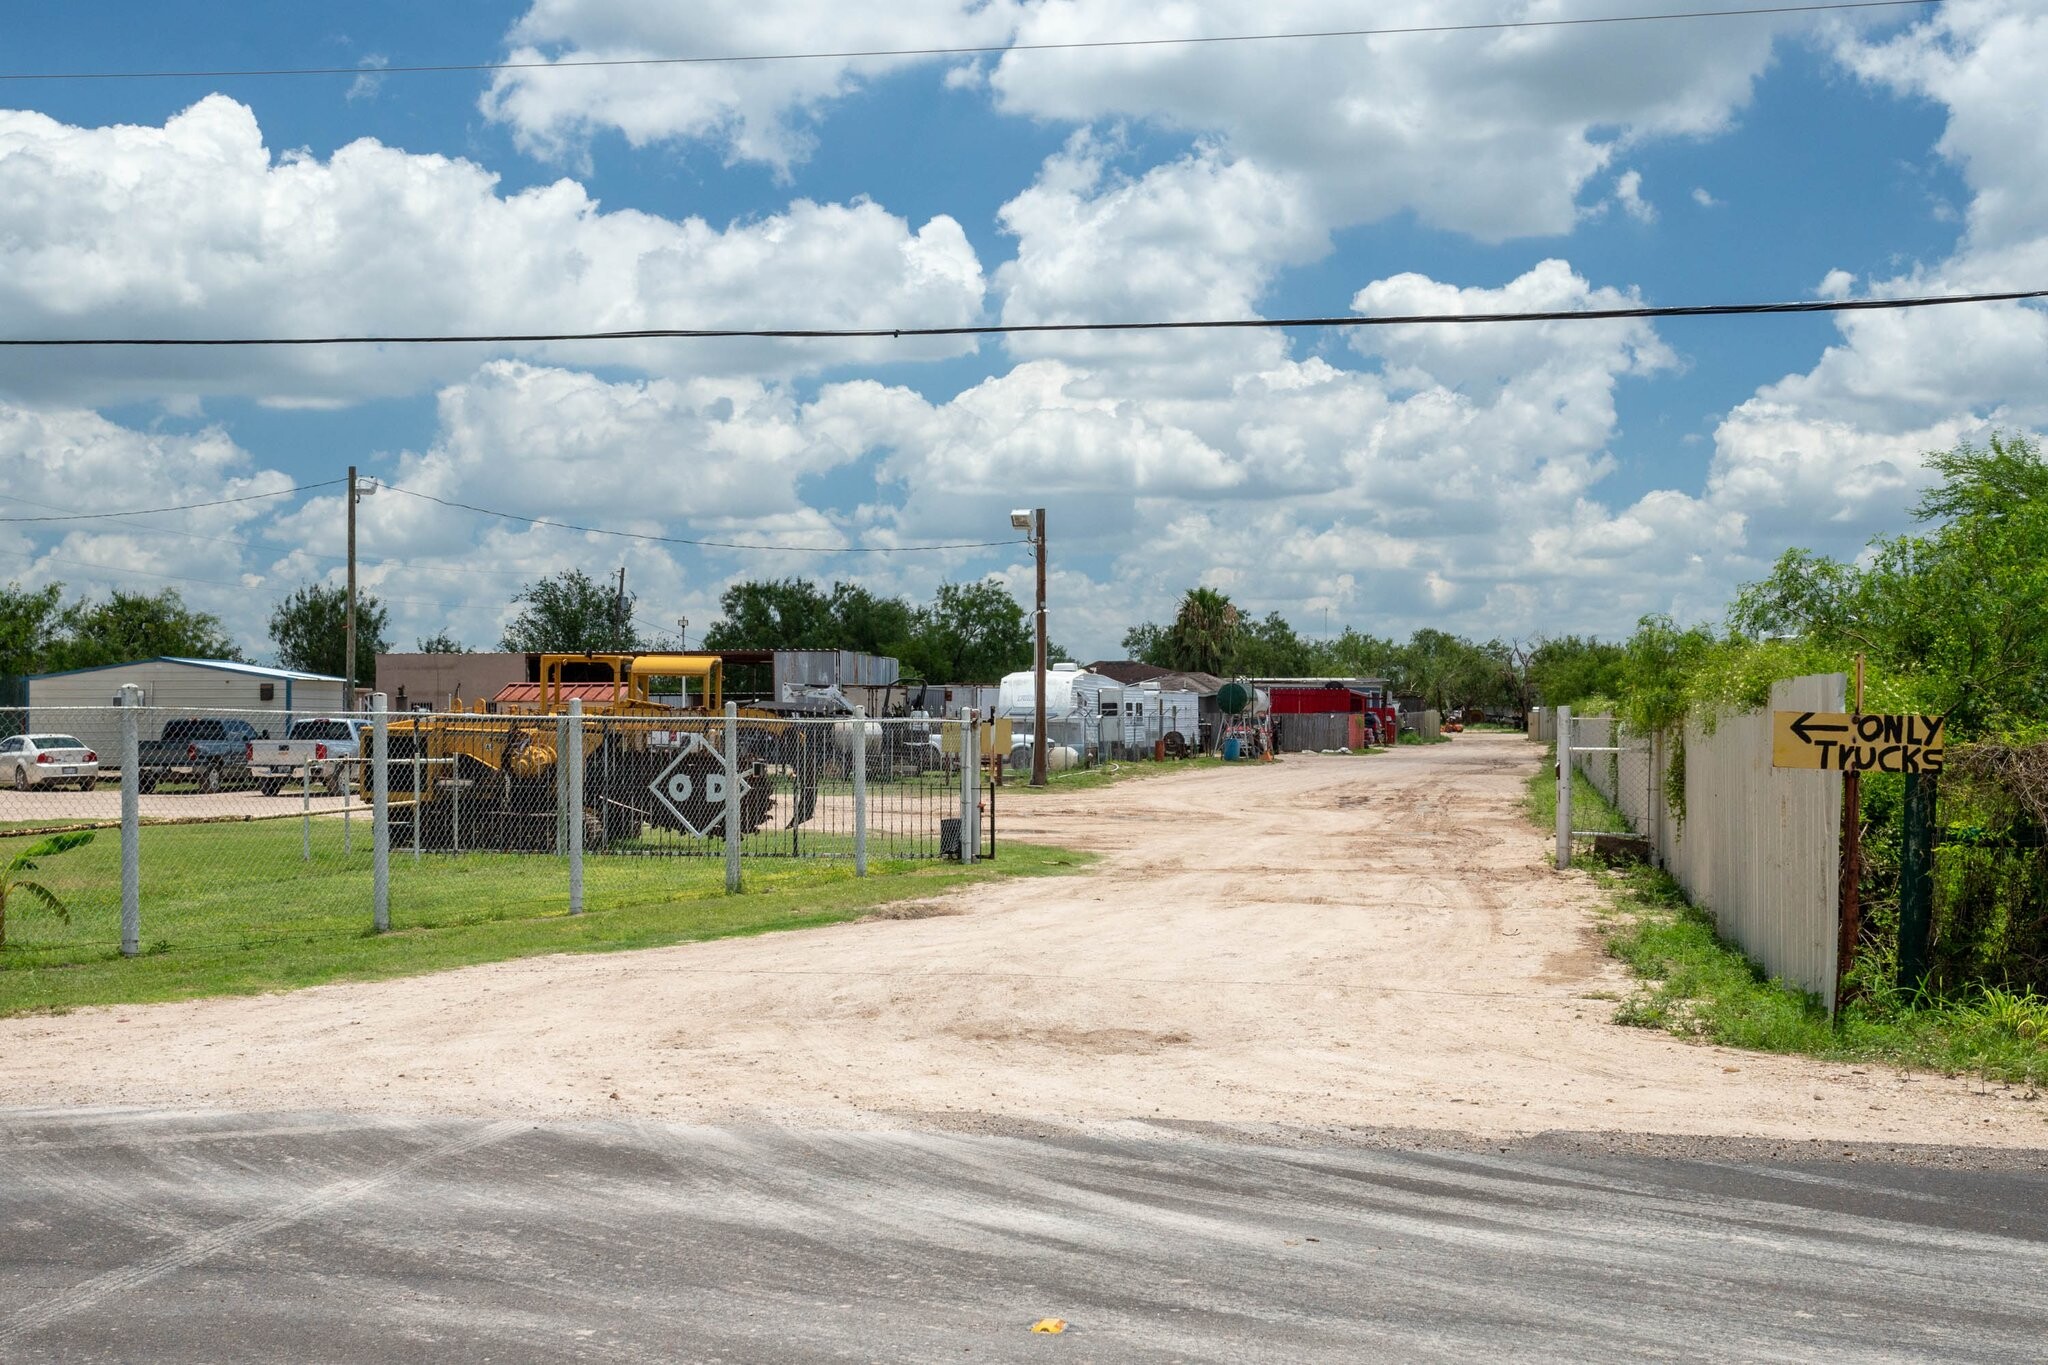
x,y
1833,741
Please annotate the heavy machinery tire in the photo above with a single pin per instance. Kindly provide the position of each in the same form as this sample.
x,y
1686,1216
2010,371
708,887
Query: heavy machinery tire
x,y
1176,744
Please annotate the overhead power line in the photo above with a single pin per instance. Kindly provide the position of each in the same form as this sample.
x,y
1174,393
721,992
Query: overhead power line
x,y
987,49
1711,310
707,544
265,543
181,507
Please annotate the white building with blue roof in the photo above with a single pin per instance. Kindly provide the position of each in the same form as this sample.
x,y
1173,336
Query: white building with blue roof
x,y
269,698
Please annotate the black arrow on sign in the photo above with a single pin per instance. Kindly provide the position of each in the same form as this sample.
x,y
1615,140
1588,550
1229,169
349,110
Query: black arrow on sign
x,y
1806,732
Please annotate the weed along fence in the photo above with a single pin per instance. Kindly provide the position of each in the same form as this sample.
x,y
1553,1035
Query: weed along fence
x,y
1758,846
218,830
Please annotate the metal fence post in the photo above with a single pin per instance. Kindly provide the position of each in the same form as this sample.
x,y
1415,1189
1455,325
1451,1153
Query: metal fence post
x,y
1564,787
860,791
415,790
970,765
573,756
348,833
732,798
131,821
380,811
561,786
306,813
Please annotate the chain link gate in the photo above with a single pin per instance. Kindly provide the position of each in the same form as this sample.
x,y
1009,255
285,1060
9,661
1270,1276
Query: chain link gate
x,y
1618,765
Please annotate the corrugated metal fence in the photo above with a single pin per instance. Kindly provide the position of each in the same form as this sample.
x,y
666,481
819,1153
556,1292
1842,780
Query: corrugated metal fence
x,y
1759,848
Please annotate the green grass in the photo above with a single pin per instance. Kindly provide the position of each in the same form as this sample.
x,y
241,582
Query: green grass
x,y
1695,984
1410,737
1083,779
1590,810
233,909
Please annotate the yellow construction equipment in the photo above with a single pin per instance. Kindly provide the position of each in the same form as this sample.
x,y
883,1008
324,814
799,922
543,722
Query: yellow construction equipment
x,y
493,780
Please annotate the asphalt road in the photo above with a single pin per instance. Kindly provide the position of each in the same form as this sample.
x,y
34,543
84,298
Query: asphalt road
x,y
166,1238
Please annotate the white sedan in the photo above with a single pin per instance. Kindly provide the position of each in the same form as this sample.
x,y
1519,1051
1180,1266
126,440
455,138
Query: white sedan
x,y
47,760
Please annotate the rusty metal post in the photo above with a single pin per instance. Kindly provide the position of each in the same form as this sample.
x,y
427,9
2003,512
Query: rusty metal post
x,y
1916,880
1852,861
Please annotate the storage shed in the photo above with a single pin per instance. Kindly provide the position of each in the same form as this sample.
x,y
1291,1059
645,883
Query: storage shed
x,y
253,692
1329,713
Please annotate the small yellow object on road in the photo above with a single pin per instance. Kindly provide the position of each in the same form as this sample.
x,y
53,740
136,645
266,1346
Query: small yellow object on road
x,y
1053,1325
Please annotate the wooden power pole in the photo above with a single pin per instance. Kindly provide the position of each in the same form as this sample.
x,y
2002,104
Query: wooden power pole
x,y
1038,677
348,691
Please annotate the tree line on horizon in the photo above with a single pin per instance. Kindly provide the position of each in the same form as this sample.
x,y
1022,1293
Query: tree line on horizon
x,y
971,632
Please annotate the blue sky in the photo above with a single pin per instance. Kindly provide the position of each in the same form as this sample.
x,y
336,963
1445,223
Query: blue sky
x,y
1530,481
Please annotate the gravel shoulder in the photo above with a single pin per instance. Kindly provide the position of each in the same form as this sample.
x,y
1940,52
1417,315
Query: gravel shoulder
x,y
1328,944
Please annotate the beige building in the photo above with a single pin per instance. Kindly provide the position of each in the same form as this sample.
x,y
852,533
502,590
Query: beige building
x,y
441,682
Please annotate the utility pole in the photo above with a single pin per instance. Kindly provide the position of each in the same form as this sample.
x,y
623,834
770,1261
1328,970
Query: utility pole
x,y
1038,683
356,493
348,691
1032,522
619,612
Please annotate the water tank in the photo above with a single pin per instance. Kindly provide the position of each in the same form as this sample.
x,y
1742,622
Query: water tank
x,y
1235,698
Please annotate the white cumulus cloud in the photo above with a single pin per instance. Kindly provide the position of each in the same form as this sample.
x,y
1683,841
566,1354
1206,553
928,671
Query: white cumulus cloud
x,y
197,228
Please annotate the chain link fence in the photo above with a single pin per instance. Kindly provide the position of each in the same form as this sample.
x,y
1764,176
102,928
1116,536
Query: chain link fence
x,y
1618,764
157,830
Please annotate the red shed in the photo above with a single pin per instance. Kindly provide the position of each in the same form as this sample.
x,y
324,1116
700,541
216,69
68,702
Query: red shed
x,y
1364,698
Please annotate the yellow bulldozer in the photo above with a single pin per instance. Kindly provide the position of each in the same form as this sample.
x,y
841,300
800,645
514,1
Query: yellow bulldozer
x,y
493,779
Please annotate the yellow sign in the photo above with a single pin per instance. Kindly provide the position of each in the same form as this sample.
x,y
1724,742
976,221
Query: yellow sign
x,y
1833,741
995,738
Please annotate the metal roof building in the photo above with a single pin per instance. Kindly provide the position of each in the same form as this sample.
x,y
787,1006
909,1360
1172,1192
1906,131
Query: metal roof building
x,y
252,691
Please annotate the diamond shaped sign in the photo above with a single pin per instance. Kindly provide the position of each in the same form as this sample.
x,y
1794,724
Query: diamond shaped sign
x,y
693,786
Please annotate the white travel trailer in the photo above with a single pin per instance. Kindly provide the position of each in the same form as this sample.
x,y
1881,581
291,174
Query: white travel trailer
x,y
1151,713
1076,703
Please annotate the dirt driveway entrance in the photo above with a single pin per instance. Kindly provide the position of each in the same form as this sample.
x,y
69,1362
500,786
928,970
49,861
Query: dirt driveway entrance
x,y
1325,942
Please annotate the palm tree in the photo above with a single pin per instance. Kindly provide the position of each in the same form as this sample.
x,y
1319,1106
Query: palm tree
x,y
1203,636
13,883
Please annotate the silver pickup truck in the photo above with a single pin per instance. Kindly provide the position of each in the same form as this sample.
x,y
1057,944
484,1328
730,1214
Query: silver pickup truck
x,y
320,746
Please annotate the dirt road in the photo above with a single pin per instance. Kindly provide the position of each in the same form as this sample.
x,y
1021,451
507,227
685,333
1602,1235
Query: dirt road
x,y
1326,943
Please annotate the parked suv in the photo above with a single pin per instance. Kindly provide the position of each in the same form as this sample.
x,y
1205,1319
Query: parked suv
x,y
211,751
47,760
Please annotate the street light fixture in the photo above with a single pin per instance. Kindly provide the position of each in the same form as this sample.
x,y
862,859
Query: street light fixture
x,y
1031,521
